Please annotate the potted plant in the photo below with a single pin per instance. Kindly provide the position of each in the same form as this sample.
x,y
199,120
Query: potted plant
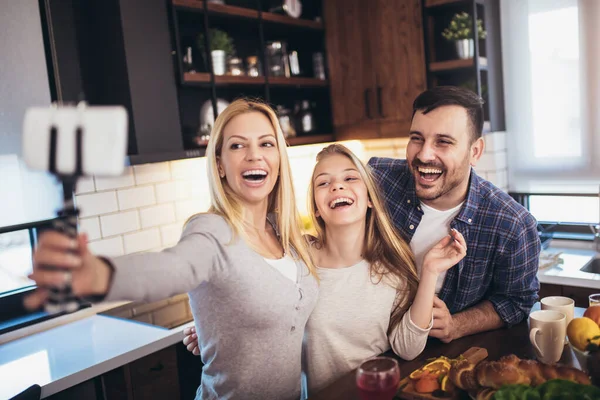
x,y
221,46
460,31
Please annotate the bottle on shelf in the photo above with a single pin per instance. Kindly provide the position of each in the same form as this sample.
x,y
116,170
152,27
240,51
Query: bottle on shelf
x,y
304,117
253,66
188,62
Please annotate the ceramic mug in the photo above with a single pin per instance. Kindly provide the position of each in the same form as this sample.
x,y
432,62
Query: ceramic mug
x,y
562,304
547,334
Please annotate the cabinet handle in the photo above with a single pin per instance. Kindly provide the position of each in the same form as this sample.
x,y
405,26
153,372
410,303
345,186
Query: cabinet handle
x,y
158,367
379,102
368,104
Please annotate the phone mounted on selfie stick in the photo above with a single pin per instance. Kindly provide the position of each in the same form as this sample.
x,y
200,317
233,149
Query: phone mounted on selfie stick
x,y
71,142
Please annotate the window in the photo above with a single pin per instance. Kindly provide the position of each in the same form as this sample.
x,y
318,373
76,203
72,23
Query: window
x,y
15,260
552,94
565,209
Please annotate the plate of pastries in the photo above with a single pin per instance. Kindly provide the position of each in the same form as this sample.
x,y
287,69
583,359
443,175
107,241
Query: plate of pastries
x,y
509,378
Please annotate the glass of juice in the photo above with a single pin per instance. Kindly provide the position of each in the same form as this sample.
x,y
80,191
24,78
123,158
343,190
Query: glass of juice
x,y
378,378
594,299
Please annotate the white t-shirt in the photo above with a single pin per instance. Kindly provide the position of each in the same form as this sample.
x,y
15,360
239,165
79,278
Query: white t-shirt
x,y
433,227
286,265
349,324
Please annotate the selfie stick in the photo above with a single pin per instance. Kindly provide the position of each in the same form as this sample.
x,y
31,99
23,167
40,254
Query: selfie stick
x,y
71,142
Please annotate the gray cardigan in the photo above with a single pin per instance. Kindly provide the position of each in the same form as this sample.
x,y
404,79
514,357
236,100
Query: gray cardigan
x,y
249,317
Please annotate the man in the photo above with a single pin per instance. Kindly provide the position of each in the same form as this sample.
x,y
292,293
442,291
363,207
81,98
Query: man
x,y
436,189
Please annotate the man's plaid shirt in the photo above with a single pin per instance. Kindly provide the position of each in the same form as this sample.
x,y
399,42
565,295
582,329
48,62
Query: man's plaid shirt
x,y
503,246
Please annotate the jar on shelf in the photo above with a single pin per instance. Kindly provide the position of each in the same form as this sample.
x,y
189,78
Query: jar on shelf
x,y
253,66
236,66
278,59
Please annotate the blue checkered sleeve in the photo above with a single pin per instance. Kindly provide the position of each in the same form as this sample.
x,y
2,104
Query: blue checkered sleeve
x,y
515,285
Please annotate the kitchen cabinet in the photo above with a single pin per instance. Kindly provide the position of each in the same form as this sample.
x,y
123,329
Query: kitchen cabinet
x,y
579,294
118,52
377,65
152,377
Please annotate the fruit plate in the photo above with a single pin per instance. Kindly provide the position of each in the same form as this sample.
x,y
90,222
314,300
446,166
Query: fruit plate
x,y
411,387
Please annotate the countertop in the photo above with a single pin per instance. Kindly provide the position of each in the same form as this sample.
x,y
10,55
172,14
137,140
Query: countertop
x,y
568,273
70,354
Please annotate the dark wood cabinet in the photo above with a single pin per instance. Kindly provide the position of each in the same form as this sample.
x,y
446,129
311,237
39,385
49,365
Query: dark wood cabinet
x,y
152,377
377,65
579,294
118,52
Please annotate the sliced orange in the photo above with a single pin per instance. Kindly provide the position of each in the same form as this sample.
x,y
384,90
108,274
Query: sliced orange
x,y
447,385
418,374
438,367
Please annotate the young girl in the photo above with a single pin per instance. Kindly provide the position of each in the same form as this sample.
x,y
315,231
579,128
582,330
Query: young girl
x,y
250,316
369,296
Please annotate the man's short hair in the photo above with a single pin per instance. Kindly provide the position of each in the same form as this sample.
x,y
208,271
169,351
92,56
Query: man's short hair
x,y
452,95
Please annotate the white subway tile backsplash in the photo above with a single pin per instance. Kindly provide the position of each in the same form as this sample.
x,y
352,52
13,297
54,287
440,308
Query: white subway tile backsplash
x,y
117,224
97,203
170,234
91,226
150,173
141,241
157,215
495,141
491,162
112,247
136,197
125,180
188,169
199,188
498,178
85,185
171,191
185,209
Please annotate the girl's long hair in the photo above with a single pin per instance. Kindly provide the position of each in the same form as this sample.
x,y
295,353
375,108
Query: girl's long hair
x,y
282,200
386,251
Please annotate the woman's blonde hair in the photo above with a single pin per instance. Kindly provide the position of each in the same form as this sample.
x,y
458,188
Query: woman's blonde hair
x,y
282,200
385,250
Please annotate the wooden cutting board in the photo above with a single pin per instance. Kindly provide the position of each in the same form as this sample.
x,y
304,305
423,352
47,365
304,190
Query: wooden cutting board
x,y
407,391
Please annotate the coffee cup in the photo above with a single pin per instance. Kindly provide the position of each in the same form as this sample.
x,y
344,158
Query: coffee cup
x,y
562,304
547,334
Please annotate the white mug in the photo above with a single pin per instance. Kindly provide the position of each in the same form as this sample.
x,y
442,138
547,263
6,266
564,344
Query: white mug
x,y
563,304
546,333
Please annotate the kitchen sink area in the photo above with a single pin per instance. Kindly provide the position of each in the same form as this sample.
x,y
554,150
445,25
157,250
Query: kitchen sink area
x,y
592,267
579,266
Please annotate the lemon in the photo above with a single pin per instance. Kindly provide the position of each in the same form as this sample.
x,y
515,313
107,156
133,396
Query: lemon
x,y
580,330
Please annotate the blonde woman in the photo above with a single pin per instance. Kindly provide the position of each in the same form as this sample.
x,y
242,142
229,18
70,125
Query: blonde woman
x,y
370,298
250,278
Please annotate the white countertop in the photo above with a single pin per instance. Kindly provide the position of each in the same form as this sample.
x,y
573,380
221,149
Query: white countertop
x,y
67,355
568,273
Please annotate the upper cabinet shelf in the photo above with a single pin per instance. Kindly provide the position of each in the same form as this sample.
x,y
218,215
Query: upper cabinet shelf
x,y
437,3
204,78
451,65
227,10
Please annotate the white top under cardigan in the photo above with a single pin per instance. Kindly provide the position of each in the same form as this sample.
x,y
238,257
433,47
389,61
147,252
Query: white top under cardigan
x,y
349,324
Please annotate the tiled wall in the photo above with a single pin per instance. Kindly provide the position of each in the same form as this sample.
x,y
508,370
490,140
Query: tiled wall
x,y
144,210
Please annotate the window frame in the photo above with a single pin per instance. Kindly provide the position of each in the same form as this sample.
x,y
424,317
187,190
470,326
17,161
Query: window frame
x,y
13,314
556,229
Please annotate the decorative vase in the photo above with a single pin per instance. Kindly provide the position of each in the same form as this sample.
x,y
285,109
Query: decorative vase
x,y
218,61
464,48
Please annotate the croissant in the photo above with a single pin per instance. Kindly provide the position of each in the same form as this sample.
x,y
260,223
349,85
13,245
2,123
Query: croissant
x,y
485,394
462,375
513,370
